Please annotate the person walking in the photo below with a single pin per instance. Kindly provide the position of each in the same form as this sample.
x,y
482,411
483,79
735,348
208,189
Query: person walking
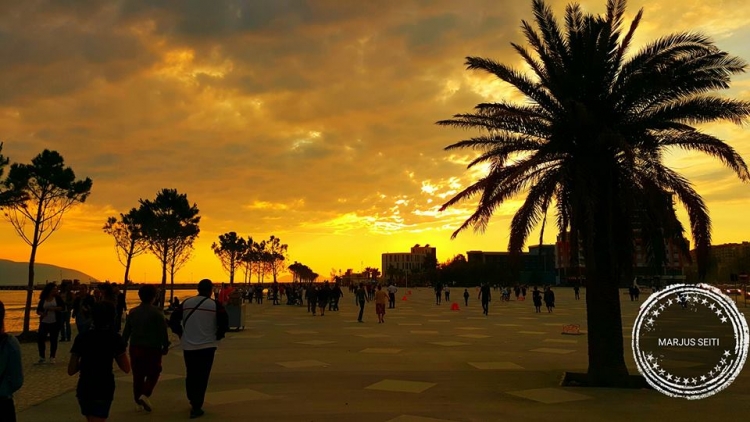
x,y
381,297
447,292
312,298
11,370
536,297
337,295
92,355
146,330
50,318
66,294
577,291
323,297
438,293
120,306
549,299
82,306
361,295
392,289
466,297
201,323
486,296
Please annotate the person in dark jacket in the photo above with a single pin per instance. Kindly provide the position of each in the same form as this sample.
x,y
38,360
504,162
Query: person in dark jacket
x,y
536,296
146,329
11,370
549,298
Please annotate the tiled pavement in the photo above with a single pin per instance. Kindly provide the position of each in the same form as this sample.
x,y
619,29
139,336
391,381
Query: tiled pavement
x,y
425,364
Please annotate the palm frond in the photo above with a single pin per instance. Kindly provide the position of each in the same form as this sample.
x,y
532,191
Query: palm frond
x,y
573,18
532,90
502,183
533,209
551,34
502,153
625,43
534,64
698,109
700,222
615,12
707,144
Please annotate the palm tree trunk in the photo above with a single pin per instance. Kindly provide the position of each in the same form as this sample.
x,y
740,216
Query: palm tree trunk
x,y
606,353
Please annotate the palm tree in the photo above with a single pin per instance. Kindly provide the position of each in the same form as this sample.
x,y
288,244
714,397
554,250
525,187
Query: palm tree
x,y
590,144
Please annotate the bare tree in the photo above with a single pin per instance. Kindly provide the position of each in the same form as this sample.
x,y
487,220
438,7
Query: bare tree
x,y
50,190
129,241
179,254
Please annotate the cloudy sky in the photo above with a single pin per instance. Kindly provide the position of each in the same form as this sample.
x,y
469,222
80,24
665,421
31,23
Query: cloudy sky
x,y
309,120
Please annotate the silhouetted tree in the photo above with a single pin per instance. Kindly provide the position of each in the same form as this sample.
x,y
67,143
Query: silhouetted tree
x,y
230,251
8,196
167,220
259,256
50,190
247,259
179,254
591,140
129,241
277,255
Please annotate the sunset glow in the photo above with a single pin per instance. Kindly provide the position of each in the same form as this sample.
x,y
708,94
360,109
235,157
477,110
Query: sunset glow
x,y
311,121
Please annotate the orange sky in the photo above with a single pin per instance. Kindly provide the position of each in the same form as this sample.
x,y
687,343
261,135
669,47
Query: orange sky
x,y
309,120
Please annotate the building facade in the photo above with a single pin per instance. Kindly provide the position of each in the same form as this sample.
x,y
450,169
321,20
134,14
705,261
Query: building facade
x,y
570,270
407,261
537,266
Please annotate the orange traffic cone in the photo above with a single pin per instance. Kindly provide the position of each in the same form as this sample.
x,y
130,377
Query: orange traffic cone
x,y
404,298
455,307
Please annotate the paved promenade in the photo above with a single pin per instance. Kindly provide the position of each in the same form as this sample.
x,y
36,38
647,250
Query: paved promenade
x,y
425,364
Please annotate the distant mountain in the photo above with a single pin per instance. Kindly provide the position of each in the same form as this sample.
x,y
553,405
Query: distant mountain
x,y
17,273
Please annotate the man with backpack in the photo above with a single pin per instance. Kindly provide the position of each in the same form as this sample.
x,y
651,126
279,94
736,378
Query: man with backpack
x,y
200,322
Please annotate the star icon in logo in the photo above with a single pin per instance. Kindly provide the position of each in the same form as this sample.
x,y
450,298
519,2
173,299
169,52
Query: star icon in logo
x,y
712,306
727,353
703,378
669,377
704,301
669,302
723,319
